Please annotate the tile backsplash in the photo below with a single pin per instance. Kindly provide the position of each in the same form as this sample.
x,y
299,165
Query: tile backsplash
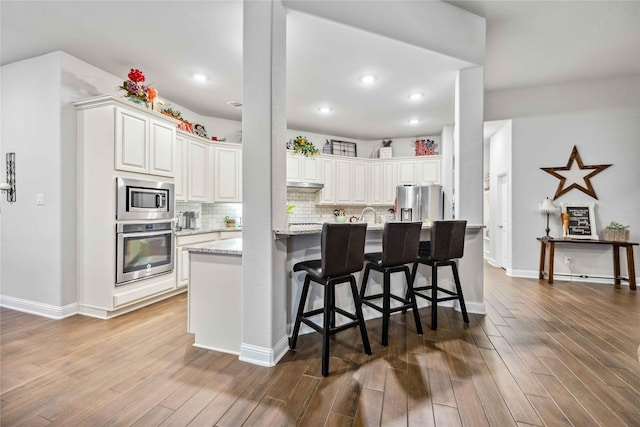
x,y
307,211
212,214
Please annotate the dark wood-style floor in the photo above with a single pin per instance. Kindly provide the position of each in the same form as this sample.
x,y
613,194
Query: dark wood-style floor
x,y
562,354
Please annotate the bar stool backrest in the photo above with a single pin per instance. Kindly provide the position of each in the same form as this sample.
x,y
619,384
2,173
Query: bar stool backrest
x,y
342,248
447,239
400,242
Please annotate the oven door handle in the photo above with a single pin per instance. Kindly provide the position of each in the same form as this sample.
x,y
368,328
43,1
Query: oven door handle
x,y
147,233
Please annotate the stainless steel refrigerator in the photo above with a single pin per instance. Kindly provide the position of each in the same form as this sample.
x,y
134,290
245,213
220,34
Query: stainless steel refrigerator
x,y
419,203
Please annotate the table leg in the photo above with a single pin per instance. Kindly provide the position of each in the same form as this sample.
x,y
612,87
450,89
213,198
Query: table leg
x,y
616,264
552,247
631,267
543,250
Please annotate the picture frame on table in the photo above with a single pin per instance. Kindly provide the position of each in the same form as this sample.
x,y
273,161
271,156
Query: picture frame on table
x,y
582,220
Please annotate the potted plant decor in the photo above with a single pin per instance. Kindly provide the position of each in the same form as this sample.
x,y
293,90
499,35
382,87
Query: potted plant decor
x,y
616,232
230,222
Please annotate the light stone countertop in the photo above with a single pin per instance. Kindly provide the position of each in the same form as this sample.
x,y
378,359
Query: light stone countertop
x,y
203,230
297,230
220,247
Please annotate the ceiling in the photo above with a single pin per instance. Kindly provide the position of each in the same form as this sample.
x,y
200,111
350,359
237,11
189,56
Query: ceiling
x,y
529,43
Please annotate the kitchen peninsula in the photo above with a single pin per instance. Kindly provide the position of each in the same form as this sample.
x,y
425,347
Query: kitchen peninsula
x,y
215,286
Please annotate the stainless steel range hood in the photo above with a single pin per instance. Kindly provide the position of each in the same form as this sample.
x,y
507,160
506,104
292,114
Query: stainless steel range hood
x,y
305,187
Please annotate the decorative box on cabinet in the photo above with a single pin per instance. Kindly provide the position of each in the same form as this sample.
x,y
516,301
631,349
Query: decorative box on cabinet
x,y
144,144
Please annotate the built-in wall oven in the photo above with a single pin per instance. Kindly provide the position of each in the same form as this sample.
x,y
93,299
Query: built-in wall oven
x,y
143,250
141,200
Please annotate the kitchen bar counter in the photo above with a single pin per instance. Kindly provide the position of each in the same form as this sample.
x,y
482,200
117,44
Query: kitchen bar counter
x,y
220,247
296,230
215,295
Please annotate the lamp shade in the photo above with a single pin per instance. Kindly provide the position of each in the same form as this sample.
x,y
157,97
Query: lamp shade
x,y
547,206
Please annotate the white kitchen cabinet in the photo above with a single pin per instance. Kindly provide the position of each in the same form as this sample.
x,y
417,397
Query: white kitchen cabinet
x,y
144,144
352,182
228,174
303,169
429,171
419,171
407,172
328,192
343,182
197,171
360,182
180,180
384,178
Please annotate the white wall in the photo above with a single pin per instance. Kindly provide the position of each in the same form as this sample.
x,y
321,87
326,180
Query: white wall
x,y
499,164
31,235
602,119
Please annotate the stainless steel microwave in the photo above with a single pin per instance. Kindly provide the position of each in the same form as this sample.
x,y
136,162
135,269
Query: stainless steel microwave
x,y
140,199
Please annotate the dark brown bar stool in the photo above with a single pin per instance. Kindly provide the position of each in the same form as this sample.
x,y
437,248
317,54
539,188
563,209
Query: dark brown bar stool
x,y
342,252
399,247
447,245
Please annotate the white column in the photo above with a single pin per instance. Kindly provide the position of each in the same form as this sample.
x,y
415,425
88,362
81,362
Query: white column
x,y
264,338
468,151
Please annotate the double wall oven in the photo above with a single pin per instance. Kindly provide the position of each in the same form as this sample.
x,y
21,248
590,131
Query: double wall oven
x,y
144,231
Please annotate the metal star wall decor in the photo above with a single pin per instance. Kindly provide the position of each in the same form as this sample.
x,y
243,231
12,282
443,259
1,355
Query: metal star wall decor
x,y
573,175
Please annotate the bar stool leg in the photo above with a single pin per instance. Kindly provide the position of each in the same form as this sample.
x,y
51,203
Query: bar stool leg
x,y
386,307
303,300
412,298
357,303
326,327
365,279
434,296
456,279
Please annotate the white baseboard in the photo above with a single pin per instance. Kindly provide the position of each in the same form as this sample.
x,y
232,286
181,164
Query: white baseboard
x,y
264,356
564,277
220,350
38,308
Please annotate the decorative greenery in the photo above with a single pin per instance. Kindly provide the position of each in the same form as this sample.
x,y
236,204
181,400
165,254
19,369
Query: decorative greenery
x,y
136,90
173,113
290,208
616,226
302,145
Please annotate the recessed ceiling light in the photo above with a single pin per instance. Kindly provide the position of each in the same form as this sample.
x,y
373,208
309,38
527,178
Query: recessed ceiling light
x,y
414,121
325,110
199,77
368,79
416,96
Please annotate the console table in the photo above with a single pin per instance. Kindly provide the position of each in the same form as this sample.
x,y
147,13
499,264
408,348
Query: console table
x,y
551,243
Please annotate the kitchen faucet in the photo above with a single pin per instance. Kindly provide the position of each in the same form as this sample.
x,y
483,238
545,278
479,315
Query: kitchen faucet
x,y
366,209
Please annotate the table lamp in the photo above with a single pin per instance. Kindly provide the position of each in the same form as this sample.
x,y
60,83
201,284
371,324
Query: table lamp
x,y
547,207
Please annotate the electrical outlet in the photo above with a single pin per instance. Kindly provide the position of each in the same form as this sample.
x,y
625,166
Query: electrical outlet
x,y
567,260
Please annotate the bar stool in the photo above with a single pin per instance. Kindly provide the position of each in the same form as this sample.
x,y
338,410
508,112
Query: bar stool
x,y
399,247
342,252
447,245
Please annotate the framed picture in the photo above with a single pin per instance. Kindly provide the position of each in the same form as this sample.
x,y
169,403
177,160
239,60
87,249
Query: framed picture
x,y
582,220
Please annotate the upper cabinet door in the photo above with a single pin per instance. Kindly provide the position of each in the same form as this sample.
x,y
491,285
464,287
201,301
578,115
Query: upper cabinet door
x,y
198,172
162,148
407,172
228,174
360,183
328,192
303,169
430,171
343,181
180,181
294,167
132,141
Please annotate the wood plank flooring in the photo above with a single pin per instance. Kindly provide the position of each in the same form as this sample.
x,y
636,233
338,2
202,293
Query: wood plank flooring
x,y
561,354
